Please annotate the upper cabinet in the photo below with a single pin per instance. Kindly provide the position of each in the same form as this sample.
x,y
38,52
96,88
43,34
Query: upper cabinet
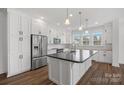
x,y
108,33
40,27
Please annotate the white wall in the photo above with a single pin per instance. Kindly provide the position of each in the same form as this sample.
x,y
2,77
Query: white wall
x,y
118,42
3,41
121,41
115,43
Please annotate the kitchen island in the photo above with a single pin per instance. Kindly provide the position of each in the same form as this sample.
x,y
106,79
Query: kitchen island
x,y
67,68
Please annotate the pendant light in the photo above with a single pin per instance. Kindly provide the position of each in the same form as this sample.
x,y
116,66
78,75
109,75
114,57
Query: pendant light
x,y
86,23
67,22
80,27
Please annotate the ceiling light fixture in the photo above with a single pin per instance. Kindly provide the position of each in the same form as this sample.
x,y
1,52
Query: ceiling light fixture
x,y
70,15
41,17
58,24
67,22
86,26
96,23
80,27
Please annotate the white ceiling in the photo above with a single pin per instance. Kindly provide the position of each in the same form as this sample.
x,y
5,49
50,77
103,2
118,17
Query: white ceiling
x,y
57,15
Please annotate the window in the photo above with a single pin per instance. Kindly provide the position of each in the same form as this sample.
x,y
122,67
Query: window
x,y
97,38
77,37
81,38
86,40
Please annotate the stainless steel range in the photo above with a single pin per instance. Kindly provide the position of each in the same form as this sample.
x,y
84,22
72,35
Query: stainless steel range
x,y
38,51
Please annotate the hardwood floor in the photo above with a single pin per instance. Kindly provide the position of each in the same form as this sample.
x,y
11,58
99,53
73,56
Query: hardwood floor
x,y
103,74
98,74
35,77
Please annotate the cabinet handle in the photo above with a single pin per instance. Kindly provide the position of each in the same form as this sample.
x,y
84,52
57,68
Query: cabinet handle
x,y
21,56
39,32
20,38
20,32
104,54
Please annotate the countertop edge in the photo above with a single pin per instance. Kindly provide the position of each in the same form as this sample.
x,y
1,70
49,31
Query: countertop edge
x,y
72,60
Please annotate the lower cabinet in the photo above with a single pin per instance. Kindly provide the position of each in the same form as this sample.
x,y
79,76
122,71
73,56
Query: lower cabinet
x,y
103,56
76,72
88,64
79,69
82,69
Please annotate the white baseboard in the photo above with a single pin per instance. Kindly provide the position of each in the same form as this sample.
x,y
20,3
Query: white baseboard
x,y
115,64
55,81
121,61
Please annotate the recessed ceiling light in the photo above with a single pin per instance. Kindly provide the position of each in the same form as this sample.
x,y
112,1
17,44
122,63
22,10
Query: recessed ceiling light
x,y
80,28
70,15
58,24
96,23
42,17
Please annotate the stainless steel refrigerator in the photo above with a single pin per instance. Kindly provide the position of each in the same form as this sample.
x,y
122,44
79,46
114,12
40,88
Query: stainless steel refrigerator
x,y
38,51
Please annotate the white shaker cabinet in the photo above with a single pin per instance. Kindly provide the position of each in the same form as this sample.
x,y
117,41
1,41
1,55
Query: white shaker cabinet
x,y
76,73
39,27
103,56
13,28
18,43
54,70
26,28
36,29
108,56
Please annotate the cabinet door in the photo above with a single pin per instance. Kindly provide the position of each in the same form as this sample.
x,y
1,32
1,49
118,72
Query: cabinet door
x,y
13,58
25,27
108,57
101,57
65,72
88,64
95,57
75,73
54,70
36,29
26,63
82,69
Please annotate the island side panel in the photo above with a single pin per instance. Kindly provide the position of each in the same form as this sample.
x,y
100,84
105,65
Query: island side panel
x,y
53,70
67,73
60,71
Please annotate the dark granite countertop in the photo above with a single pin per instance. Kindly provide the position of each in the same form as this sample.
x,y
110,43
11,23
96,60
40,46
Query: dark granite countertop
x,y
79,56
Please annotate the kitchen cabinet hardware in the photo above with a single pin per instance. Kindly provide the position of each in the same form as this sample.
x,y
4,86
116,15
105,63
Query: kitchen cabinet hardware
x,y
39,32
104,54
21,56
20,38
20,32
